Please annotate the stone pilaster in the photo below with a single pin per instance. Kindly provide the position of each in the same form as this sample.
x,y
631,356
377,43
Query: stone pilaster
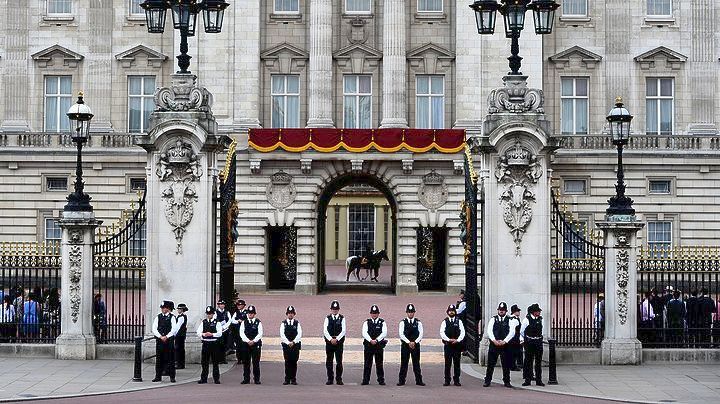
x,y
98,86
468,71
620,345
76,340
15,78
394,101
320,79
247,62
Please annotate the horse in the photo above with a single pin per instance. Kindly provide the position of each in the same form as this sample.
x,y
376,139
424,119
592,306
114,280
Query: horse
x,y
354,263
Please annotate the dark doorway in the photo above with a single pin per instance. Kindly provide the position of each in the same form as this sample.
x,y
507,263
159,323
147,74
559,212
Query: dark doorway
x,y
282,260
366,225
431,263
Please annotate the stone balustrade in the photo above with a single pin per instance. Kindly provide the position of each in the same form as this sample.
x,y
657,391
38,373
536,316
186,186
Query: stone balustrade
x,y
53,140
643,142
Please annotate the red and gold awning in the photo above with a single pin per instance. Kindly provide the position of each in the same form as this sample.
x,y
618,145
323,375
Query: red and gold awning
x,y
357,140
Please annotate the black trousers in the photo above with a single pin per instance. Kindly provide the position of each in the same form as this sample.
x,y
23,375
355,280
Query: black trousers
x,y
222,341
291,355
334,351
533,358
374,353
405,354
517,355
253,357
165,358
452,359
210,353
180,351
505,362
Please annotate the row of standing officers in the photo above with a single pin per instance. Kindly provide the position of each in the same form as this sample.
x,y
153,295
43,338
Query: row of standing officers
x,y
170,332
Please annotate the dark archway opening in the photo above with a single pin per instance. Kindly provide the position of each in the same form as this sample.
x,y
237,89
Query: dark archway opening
x,y
332,273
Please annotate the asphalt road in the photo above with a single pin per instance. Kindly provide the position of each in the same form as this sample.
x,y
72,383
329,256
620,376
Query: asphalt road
x,y
312,389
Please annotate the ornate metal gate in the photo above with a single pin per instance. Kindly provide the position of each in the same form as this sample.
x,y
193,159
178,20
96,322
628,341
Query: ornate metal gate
x,y
119,278
469,238
282,259
228,230
577,280
431,251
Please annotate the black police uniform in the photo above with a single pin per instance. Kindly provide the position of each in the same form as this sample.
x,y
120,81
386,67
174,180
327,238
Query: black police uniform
x,y
165,351
501,329
411,331
374,352
240,349
334,328
223,318
533,349
291,354
180,342
251,329
452,352
210,349
516,348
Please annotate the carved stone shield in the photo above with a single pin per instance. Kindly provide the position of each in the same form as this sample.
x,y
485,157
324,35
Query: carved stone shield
x,y
433,192
281,191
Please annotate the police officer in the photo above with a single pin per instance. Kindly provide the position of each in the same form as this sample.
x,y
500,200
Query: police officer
x,y
238,317
334,330
251,332
290,336
514,345
374,331
210,332
411,333
500,330
531,335
452,333
164,329
181,320
223,318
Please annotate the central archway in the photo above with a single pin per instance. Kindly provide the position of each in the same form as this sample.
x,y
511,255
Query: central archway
x,y
327,193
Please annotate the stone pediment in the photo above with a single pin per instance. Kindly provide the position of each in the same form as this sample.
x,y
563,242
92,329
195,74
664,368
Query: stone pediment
x,y
359,58
672,60
575,56
430,58
285,58
57,56
132,56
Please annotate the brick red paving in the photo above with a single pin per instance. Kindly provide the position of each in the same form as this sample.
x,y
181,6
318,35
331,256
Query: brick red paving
x,y
312,389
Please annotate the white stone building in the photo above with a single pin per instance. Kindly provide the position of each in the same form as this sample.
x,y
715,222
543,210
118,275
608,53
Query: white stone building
x,y
365,63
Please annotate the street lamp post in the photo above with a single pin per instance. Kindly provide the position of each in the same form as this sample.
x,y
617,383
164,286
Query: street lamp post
x,y
80,116
184,14
619,120
513,12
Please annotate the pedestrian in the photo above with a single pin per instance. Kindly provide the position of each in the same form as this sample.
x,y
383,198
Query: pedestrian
x,y
374,331
181,320
223,318
531,335
7,320
411,333
515,346
694,306
290,337
461,304
500,330
237,318
209,332
452,333
676,313
599,318
164,328
708,307
99,311
647,319
251,333
30,316
52,312
334,330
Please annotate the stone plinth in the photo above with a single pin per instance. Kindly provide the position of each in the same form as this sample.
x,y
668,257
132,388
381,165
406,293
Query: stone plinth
x,y
621,346
182,150
76,340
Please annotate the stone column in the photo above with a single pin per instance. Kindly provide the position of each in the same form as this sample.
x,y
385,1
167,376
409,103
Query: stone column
x,y
76,340
99,63
468,70
16,67
182,149
394,101
320,77
247,62
620,345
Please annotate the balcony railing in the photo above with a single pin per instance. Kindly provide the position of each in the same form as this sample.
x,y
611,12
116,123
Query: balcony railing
x,y
643,142
55,140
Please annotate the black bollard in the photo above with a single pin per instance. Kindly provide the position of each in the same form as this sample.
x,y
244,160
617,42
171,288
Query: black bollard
x,y
137,374
552,371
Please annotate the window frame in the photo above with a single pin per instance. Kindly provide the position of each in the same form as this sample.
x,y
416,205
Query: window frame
x,y
143,97
659,98
670,182
361,12
45,229
419,11
285,95
573,252
140,13
658,16
59,95
585,186
357,95
276,11
574,98
655,252
430,97
372,222
575,15
47,179
56,14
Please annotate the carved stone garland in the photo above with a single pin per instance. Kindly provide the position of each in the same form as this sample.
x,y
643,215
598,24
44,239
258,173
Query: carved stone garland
x,y
178,169
183,95
518,170
622,275
75,257
516,97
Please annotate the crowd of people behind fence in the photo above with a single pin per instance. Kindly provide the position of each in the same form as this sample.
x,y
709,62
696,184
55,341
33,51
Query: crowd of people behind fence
x,y
29,314
675,319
